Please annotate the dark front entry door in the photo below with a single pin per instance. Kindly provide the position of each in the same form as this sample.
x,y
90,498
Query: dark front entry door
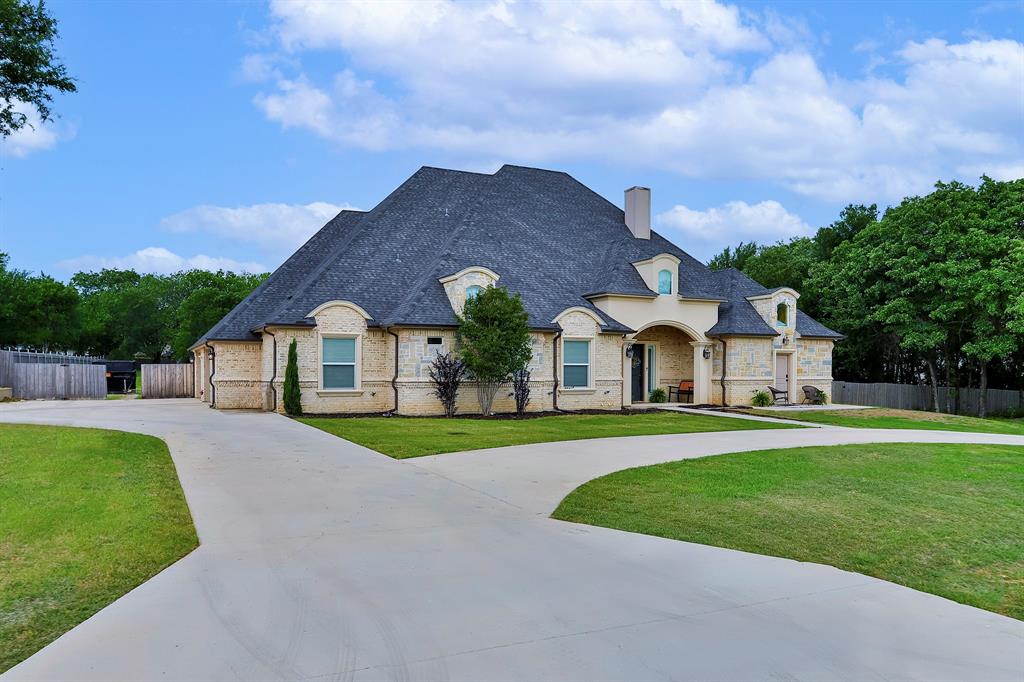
x,y
638,372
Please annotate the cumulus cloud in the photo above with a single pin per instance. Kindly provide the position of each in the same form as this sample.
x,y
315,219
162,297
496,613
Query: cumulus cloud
x,y
272,226
32,137
664,86
736,221
156,259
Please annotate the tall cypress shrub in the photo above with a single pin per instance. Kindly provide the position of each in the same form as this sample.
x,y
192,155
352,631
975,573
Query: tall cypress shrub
x,y
292,394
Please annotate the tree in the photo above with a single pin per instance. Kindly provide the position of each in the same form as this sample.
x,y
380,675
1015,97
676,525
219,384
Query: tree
x,y
292,391
29,70
734,259
494,340
446,374
36,311
521,390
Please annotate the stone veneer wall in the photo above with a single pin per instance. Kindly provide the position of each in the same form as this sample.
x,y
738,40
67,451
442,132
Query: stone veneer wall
x,y
606,392
814,364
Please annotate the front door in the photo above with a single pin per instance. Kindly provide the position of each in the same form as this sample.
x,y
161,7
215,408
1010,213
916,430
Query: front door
x,y
637,364
782,372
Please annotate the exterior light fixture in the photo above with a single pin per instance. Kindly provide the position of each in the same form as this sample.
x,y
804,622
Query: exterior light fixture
x,y
629,351
707,353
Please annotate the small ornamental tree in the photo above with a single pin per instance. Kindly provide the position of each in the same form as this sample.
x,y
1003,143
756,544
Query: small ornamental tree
x,y
446,373
292,393
521,390
494,340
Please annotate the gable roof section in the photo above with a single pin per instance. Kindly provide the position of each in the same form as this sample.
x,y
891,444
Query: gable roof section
x,y
550,238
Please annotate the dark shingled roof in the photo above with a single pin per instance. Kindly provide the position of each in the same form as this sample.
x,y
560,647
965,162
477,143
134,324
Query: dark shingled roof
x,y
547,236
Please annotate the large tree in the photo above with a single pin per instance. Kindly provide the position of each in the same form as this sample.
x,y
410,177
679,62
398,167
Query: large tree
x,y
36,311
30,72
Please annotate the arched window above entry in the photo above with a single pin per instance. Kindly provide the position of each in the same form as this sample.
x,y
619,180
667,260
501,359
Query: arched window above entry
x,y
782,314
473,290
665,282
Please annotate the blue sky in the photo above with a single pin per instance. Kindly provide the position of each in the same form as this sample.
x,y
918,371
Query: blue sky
x,y
224,134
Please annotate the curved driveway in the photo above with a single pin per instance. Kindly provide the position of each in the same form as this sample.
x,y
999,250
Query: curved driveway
x,y
323,560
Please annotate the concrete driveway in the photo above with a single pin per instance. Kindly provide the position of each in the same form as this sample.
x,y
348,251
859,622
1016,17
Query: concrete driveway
x,y
323,560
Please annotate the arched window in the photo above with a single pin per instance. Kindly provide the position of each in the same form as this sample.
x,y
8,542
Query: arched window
x,y
782,314
473,291
665,282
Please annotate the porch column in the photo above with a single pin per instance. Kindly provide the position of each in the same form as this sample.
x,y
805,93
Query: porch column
x,y
627,370
701,372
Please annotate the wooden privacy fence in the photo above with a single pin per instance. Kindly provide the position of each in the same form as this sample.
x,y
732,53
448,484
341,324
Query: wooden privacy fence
x,y
49,381
919,397
168,381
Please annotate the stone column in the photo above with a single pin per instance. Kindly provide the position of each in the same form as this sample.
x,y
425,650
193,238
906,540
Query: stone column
x,y
701,372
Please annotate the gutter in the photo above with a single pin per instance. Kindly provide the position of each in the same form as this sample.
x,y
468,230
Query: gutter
x,y
212,355
394,378
554,368
273,374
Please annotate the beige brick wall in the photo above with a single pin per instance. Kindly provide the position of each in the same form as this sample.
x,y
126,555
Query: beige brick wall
x,y
236,377
606,354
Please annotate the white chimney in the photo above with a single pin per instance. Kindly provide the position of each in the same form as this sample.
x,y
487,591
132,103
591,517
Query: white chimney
x,y
638,212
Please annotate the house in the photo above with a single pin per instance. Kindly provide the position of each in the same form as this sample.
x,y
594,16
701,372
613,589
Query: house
x,y
615,309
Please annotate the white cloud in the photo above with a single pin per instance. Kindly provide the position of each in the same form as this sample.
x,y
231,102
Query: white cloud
x,y
271,226
32,137
157,259
736,221
647,85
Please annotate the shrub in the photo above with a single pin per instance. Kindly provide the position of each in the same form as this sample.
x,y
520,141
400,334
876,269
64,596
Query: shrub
x,y
762,399
822,398
494,341
658,395
446,373
292,392
521,390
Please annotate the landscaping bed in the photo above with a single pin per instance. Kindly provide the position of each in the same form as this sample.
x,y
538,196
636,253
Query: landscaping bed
x,y
944,519
886,418
88,514
402,437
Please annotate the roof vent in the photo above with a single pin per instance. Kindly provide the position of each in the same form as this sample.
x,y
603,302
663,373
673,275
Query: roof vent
x,y
638,212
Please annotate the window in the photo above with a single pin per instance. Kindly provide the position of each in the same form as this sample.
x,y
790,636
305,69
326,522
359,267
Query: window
x,y
339,363
473,291
576,364
782,313
434,340
665,282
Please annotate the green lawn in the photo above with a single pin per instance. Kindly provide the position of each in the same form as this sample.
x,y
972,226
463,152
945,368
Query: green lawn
x,y
87,515
945,519
402,437
885,418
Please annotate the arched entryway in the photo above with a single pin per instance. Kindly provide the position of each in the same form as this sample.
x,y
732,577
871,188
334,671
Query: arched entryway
x,y
667,357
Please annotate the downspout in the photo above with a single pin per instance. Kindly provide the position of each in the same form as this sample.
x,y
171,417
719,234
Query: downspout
x,y
273,374
725,357
212,357
394,378
554,368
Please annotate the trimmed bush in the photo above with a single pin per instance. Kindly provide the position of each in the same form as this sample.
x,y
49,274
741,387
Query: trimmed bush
x,y
292,392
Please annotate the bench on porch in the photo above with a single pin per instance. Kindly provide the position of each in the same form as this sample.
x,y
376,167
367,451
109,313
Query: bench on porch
x,y
684,389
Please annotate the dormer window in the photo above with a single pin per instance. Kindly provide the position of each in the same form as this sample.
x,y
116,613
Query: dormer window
x,y
782,314
473,291
665,282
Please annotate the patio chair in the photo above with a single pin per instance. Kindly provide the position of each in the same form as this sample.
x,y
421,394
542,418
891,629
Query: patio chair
x,y
779,396
684,389
812,394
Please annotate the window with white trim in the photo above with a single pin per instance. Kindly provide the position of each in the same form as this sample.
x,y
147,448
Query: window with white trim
x,y
575,363
339,363
665,282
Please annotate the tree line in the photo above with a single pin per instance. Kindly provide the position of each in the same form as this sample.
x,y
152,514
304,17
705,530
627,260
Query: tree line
x,y
116,313
930,291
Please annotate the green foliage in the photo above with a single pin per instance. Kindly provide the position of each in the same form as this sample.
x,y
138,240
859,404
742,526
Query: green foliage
x,y
821,398
762,399
494,340
36,311
292,391
658,395
738,259
29,70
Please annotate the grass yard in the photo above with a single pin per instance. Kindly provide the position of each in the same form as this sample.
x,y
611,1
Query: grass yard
x,y
402,437
885,418
944,519
87,515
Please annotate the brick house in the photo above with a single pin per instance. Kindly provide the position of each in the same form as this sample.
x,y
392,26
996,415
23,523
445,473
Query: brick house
x,y
615,309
